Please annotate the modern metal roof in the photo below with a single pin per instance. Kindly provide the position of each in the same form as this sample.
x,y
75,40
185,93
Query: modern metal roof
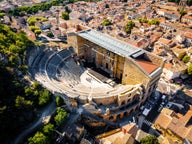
x,y
119,47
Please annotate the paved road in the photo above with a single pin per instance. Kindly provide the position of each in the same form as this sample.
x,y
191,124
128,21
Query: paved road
x,y
46,111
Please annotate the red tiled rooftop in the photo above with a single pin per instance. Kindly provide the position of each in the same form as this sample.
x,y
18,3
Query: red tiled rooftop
x,y
188,35
147,65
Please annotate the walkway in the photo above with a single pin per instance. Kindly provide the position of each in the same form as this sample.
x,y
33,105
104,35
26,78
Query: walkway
x,y
45,112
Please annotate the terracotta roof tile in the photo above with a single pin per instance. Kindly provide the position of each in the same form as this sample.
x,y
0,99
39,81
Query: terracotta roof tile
x,y
188,35
147,66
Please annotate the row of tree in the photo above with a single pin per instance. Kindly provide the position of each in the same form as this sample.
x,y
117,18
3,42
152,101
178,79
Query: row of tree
x,y
46,134
21,10
151,22
36,7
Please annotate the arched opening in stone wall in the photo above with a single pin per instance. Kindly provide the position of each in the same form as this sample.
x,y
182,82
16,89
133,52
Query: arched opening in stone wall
x,y
118,116
123,102
111,118
125,114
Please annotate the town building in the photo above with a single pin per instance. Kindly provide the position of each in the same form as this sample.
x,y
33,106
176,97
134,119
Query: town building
x,y
174,126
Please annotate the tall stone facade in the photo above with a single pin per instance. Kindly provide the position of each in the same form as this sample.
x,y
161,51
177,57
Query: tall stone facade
x,y
137,68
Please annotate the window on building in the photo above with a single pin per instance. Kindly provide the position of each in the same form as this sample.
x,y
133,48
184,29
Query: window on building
x,y
106,66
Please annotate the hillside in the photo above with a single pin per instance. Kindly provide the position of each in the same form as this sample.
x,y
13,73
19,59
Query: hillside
x,y
19,100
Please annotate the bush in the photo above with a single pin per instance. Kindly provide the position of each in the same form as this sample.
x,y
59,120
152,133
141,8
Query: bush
x,y
48,129
21,103
65,15
189,69
186,59
59,101
38,32
2,14
33,28
44,97
38,138
60,117
154,22
129,26
151,139
143,20
32,20
106,22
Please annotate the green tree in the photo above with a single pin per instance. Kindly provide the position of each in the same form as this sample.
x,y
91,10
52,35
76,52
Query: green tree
x,y
151,139
23,68
65,15
38,32
13,59
48,129
59,101
33,28
21,103
35,85
129,26
189,2
60,117
44,97
186,59
38,138
189,69
2,14
143,20
28,91
154,22
182,13
106,22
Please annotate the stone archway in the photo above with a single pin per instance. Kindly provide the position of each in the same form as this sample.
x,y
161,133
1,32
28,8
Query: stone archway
x,y
123,102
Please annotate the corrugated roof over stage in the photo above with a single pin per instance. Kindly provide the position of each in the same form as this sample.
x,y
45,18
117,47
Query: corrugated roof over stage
x,y
119,47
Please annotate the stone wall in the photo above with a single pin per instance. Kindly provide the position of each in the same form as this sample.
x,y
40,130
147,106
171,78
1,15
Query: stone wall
x,y
154,59
133,75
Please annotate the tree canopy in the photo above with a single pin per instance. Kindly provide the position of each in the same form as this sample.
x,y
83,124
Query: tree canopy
x,y
189,69
106,22
186,59
48,129
129,26
65,15
60,116
36,7
151,22
13,44
38,138
151,139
